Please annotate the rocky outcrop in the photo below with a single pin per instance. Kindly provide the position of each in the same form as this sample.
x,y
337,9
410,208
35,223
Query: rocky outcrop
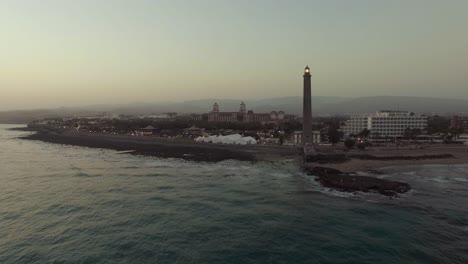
x,y
341,158
344,182
326,158
419,157
352,183
22,129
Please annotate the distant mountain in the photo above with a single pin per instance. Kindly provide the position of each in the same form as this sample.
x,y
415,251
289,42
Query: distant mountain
x,y
406,103
26,116
291,105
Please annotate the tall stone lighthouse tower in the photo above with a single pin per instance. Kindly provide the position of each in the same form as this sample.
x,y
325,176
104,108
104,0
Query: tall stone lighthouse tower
x,y
307,138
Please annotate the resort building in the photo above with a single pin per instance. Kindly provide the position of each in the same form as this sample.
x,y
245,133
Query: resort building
x,y
242,116
355,125
459,123
384,123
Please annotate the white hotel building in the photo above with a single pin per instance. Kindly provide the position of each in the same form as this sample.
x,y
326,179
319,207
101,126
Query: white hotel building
x,y
384,123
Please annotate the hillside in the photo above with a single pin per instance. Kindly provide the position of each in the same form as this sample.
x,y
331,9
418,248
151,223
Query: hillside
x,y
291,105
414,104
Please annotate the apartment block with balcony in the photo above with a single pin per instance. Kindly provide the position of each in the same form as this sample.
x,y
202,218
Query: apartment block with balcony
x,y
385,123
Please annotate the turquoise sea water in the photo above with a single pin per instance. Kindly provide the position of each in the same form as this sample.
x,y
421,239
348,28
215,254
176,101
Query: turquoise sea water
x,y
62,204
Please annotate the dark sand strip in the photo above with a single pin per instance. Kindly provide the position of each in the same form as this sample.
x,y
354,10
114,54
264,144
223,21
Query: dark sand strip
x,y
148,146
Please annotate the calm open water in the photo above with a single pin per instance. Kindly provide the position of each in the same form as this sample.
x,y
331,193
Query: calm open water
x,y
62,204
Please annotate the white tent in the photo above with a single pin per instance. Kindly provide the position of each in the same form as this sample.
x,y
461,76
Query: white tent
x,y
211,139
229,139
249,140
200,139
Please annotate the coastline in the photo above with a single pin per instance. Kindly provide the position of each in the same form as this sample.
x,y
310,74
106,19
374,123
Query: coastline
x,y
343,170
148,146
369,160
393,157
357,171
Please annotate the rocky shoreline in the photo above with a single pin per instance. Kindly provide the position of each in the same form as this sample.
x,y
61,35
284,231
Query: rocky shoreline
x,y
192,151
389,158
347,182
327,167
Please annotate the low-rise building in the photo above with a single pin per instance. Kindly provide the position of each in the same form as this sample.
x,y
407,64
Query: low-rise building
x,y
194,132
148,131
297,137
461,138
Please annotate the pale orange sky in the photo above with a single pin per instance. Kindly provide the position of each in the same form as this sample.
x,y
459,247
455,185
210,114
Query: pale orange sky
x,y
67,52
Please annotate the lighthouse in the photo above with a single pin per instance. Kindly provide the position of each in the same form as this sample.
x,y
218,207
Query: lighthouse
x,y
307,138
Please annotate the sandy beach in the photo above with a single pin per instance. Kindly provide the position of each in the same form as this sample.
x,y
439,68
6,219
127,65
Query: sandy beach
x,y
459,152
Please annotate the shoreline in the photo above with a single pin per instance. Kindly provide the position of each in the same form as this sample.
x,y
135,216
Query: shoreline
x,y
147,146
381,158
342,171
353,161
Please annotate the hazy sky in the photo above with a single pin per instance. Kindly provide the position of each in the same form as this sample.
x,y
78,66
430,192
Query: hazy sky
x,y
78,52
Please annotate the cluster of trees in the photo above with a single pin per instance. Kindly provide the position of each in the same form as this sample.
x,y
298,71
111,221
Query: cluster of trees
x,y
442,125
332,125
350,143
135,124
329,126
363,134
411,133
438,124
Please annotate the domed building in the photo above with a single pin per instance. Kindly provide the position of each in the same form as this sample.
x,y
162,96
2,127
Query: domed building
x,y
274,115
281,115
248,116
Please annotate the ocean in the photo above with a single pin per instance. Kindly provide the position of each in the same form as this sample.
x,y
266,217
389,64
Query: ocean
x,y
65,204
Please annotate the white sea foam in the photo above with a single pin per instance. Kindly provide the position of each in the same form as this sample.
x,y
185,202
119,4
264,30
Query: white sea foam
x,y
172,163
336,193
460,179
284,174
231,168
440,179
125,151
315,186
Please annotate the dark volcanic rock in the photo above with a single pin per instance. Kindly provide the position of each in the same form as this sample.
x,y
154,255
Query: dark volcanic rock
x,y
326,158
335,179
376,172
420,157
337,158
23,129
162,149
351,183
321,171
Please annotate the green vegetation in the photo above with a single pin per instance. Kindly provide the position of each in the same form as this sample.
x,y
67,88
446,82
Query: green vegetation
x,y
334,135
438,124
349,143
361,145
331,125
411,133
364,133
